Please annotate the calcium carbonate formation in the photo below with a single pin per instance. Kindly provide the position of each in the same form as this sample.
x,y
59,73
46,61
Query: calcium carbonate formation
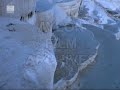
x,y
44,15
27,56
17,8
71,7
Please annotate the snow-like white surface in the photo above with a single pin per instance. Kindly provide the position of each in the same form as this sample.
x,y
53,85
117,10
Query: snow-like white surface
x,y
26,55
27,60
110,4
102,15
90,5
96,12
4,21
60,16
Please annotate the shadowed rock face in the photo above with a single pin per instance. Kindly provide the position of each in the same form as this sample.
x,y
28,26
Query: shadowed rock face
x,y
74,46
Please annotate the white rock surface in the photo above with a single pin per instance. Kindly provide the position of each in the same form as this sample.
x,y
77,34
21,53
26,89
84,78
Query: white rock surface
x,y
44,20
45,16
71,7
27,59
60,17
94,12
110,4
17,8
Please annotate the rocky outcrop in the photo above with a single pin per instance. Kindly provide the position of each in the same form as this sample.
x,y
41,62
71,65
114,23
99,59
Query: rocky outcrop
x,y
27,60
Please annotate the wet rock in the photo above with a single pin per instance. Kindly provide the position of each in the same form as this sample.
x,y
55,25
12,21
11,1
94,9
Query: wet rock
x,y
112,28
107,62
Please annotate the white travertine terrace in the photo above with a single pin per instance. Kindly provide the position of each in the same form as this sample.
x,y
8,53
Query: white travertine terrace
x,y
27,60
27,49
34,63
71,7
44,15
